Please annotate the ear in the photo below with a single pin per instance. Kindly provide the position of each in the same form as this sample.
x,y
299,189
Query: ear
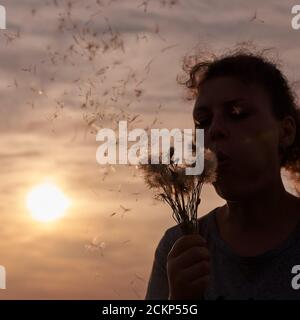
x,y
287,132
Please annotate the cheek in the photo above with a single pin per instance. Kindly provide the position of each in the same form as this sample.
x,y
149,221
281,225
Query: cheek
x,y
260,149
254,165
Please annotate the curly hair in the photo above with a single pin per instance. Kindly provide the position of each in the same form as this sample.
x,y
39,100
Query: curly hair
x,y
255,68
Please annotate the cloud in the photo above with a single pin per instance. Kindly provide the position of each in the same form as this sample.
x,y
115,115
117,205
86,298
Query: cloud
x,y
50,90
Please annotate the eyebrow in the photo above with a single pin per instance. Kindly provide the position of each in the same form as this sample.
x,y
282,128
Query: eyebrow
x,y
225,104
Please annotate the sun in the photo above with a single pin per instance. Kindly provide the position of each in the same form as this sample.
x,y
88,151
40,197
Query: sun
x,y
46,202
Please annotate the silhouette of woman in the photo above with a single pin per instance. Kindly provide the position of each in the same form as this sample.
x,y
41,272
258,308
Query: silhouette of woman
x,y
248,248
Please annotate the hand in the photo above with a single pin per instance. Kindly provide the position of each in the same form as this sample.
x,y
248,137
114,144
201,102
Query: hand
x,y
188,268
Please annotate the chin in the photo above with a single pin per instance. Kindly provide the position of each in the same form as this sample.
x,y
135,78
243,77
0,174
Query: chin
x,y
229,192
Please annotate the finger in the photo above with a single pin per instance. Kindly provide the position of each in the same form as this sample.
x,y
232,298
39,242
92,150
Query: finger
x,y
201,283
192,256
197,271
184,243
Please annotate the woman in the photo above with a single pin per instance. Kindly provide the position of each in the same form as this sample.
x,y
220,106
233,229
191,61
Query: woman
x,y
250,247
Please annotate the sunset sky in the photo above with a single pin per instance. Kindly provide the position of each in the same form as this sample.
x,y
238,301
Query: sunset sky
x,y
70,67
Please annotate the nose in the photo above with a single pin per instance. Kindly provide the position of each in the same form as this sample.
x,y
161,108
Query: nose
x,y
217,129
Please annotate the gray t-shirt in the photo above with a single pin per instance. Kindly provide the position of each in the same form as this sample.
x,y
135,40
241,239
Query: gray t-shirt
x,y
271,275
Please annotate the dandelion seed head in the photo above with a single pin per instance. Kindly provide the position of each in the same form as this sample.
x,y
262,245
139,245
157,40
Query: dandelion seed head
x,y
179,190
210,166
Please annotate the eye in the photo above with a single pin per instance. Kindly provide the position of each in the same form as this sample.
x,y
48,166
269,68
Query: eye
x,y
202,123
237,112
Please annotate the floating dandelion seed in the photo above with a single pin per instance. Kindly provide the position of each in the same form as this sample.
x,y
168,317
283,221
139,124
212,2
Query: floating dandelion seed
x,y
139,278
138,92
254,17
134,290
124,210
95,245
86,44
136,193
169,47
97,275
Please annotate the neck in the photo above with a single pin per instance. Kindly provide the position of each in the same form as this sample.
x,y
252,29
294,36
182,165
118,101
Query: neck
x,y
259,209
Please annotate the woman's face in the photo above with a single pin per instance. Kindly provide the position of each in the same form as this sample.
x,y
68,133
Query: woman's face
x,y
240,127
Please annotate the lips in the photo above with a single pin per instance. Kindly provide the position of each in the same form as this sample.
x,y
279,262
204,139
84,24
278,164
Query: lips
x,y
221,156
223,159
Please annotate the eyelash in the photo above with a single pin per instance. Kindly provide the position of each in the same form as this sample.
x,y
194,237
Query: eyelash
x,y
204,122
239,116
